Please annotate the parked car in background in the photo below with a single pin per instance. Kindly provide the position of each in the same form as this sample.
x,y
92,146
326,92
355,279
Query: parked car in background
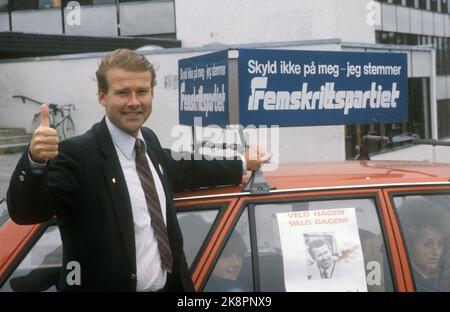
x,y
347,226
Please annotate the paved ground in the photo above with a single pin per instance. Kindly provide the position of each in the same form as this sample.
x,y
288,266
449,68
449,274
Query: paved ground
x,y
7,165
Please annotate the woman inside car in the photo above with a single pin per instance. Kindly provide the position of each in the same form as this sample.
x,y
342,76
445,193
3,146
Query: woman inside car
x,y
225,277
426,240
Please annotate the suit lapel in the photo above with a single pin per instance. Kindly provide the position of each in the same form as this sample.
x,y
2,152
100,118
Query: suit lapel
x,y
118,190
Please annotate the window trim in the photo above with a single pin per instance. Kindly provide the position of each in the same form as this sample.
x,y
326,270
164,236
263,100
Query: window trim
x,y
374,194
395,192
246,201
254,247
210,246
221,208
200,285
314,189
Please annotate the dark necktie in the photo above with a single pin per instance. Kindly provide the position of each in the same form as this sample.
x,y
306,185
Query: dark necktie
x,y
325,274
151,197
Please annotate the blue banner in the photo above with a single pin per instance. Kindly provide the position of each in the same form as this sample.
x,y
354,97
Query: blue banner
x,y
311,88
203,89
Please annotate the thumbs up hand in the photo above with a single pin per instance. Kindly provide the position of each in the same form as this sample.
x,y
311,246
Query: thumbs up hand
x,y
44,143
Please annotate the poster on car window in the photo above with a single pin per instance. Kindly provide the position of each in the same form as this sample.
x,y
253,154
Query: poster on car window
x,y
322,250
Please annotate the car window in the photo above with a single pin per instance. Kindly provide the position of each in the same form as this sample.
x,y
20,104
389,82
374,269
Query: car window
x,y
40,269
195,226
425,224
4,216
321,245
232,271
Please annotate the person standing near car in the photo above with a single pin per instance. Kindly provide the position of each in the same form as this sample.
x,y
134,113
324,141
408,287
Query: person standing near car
x,y
111,188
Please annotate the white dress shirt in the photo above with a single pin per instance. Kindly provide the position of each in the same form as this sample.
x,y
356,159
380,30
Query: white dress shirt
x,y
150,276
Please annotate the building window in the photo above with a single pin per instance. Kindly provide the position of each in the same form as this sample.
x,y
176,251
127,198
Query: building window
x,y
434,5
423,4
419,107
442,45
3,5
444,6
133,1
443,109
24,5
81,2
48,4
418,121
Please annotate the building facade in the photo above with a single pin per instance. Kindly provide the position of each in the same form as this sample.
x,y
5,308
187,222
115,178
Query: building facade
x,y
96,17
217,24
421,22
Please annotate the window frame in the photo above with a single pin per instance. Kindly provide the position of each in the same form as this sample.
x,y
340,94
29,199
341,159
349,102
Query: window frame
x,y
221,208
250,201
223,244
352,195
410,191
203,257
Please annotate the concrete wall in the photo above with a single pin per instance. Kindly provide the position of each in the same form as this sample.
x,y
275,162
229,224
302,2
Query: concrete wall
x,y
157,17
94,21
38,21
64,80
201,22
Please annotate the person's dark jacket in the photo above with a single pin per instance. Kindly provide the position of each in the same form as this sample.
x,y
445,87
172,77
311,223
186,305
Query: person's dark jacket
x,y
85,188
426,285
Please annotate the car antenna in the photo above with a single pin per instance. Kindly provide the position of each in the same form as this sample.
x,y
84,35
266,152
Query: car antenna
x,y
401,138
257,183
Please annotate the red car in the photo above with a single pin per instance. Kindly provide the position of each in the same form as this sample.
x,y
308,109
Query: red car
x,y
348,226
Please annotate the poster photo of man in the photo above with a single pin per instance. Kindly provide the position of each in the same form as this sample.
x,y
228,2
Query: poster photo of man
x,y
321,253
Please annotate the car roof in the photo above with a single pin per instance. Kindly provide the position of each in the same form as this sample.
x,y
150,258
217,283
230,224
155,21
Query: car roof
x,y
341,174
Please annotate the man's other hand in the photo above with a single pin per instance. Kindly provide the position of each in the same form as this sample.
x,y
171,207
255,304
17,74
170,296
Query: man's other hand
x,y
44,143
255,157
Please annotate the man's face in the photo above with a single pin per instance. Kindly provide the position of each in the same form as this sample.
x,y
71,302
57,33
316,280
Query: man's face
x,y
323,256
128,101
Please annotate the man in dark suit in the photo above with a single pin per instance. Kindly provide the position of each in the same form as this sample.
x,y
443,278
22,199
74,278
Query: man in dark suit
x,y
111,188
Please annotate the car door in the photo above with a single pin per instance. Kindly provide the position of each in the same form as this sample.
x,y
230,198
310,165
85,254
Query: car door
x,y
253,247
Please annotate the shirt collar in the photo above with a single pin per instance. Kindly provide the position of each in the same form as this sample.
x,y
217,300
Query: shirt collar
x,y
123,140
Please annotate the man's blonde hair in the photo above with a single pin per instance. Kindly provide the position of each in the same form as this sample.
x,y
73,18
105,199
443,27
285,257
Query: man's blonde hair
x,y
123,59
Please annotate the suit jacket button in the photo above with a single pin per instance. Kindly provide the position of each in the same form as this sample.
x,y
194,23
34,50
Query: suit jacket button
x,y
21,178
132,276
